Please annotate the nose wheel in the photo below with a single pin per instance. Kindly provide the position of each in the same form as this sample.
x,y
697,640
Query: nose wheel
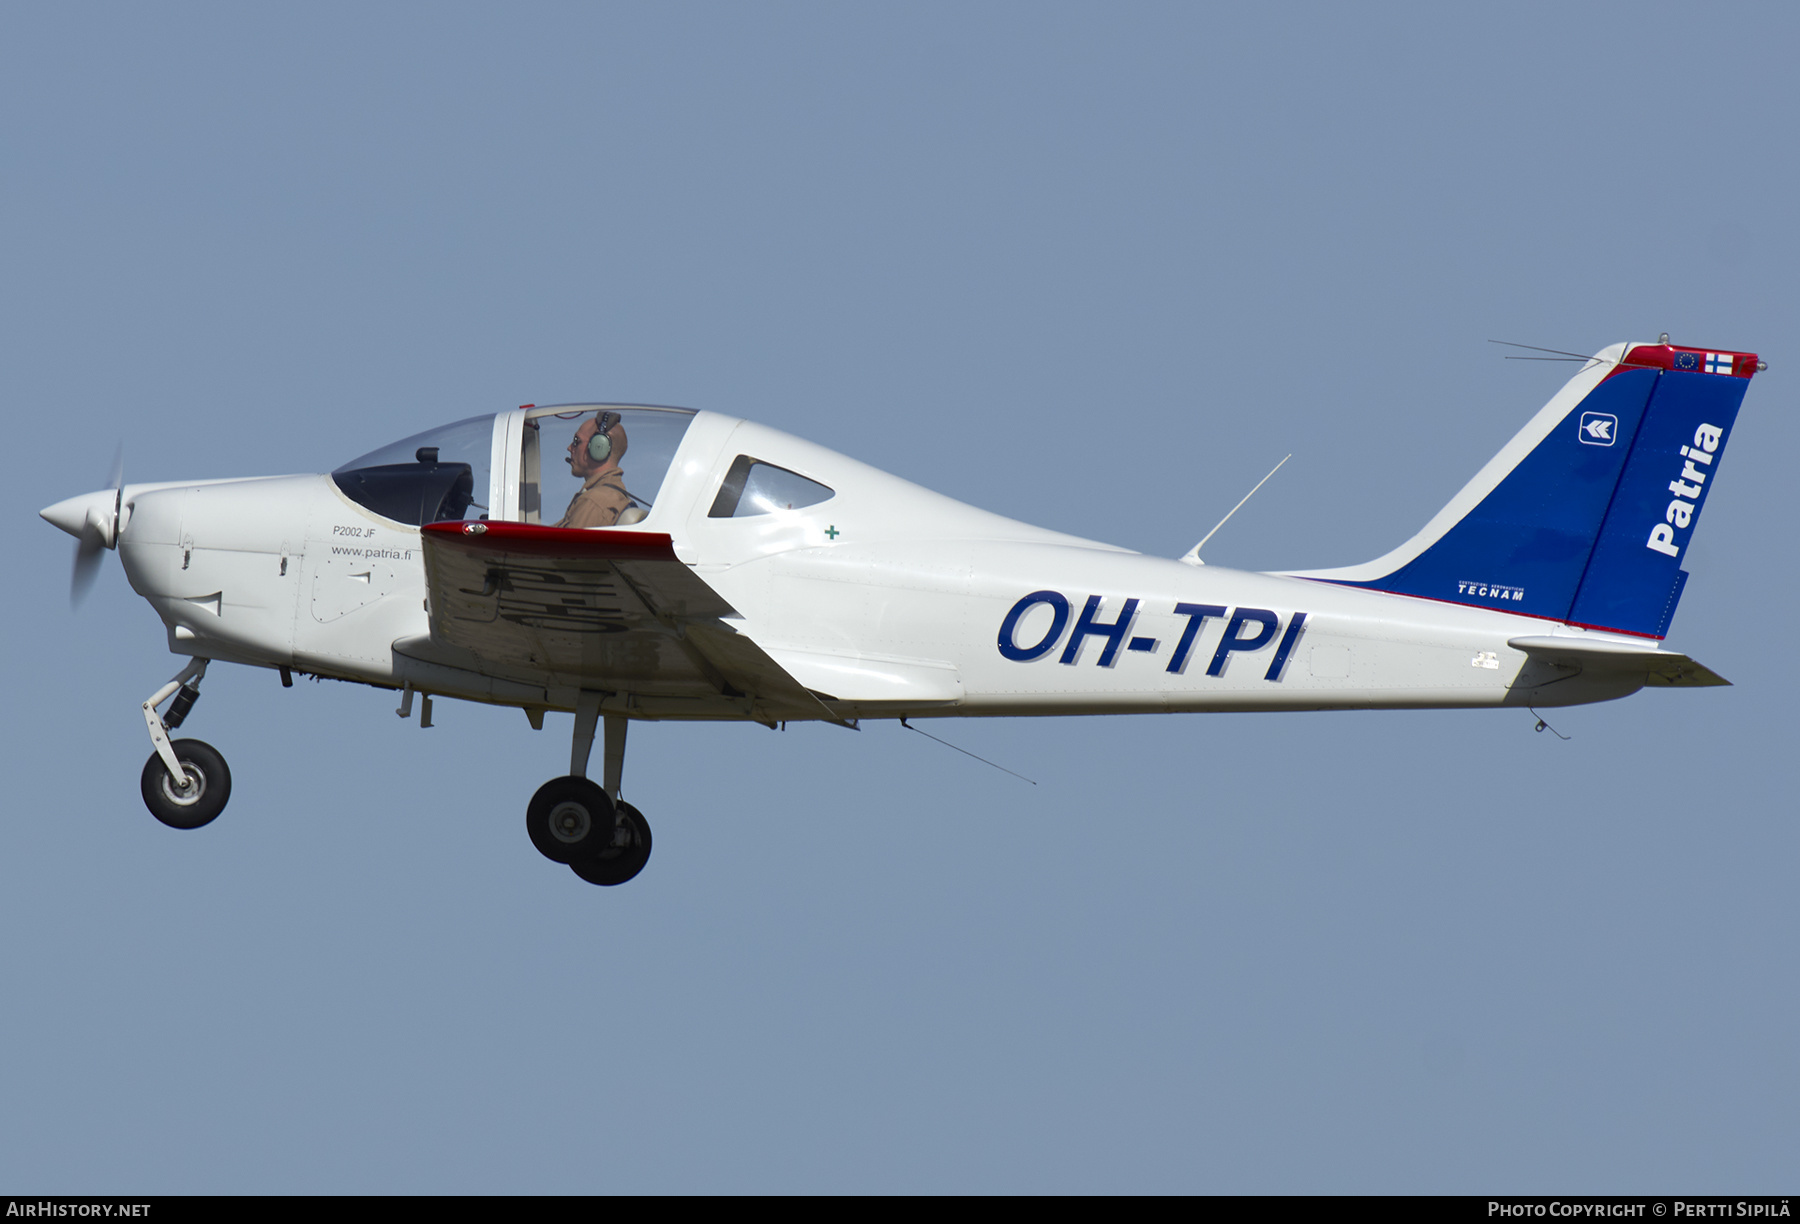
x,y
198,797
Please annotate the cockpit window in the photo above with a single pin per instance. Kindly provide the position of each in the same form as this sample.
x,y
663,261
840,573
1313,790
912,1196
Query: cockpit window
x,y
427,478
753,487
595,465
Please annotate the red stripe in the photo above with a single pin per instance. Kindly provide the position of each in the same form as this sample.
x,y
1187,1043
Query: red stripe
x,y
1662,357
534,540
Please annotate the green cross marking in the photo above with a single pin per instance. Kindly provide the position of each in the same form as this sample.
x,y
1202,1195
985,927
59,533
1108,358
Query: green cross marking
x,y
833,532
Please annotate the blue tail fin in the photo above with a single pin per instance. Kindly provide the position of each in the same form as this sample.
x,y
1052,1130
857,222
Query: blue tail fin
x,y
1584,515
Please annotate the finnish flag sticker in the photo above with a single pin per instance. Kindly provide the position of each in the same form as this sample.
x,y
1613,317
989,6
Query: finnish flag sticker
x,y
1718,363
1599,428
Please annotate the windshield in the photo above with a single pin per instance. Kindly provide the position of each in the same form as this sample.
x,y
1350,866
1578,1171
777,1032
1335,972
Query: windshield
x,y
427,478
594,465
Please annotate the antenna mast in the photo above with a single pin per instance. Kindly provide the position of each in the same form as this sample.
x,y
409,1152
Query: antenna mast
x,y
1192,556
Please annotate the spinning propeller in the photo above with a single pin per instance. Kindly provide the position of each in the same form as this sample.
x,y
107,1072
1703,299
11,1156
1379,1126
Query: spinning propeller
x,y
93,519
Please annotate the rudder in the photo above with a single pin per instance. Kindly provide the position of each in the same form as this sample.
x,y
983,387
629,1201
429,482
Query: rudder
x,y
1634,580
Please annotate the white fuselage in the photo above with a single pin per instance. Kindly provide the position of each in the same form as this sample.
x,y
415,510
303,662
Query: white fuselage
x,y
887,599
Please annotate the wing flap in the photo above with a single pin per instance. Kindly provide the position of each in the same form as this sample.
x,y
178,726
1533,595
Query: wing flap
x,y
750,669
872,679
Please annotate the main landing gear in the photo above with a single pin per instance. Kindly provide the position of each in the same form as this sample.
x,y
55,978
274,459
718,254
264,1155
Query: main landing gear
x,y
570,820
204,783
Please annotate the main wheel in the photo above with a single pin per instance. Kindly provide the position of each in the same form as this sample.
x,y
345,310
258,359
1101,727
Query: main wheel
x,y
618,863
199,797
569,818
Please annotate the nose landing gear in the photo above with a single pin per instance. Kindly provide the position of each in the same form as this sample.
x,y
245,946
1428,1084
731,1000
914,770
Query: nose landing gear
x,y
204,783
603,839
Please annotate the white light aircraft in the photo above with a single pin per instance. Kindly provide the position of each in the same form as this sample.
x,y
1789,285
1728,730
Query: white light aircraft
x,y
713,568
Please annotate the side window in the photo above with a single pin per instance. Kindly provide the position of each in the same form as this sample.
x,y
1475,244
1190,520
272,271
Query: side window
x,y
754,487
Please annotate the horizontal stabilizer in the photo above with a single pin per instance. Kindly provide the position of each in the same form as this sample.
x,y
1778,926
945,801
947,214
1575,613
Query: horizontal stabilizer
x,y
1663,668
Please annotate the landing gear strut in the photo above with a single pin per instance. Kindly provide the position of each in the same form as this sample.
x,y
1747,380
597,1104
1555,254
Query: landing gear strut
x,y
570,820
185,783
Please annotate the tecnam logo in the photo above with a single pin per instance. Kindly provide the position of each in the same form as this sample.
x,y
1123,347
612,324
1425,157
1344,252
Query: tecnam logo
x,y
1491,590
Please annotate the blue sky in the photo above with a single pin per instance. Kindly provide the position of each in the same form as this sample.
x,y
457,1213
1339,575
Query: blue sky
x,y
1095,267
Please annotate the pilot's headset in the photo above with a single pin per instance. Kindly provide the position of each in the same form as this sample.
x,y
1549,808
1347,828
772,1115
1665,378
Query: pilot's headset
x,y
600,447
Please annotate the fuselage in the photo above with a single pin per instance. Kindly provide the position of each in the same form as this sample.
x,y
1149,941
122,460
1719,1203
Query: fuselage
x,y
884,598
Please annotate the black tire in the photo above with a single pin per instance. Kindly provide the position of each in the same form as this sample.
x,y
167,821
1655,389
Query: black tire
x,y
210,787
617,864
569,818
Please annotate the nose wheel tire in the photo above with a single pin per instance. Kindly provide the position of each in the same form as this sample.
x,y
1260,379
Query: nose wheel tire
x,y
569,818
197,798
624,858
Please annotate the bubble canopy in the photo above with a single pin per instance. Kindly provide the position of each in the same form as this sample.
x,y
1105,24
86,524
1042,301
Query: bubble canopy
x,y
546,459
443,473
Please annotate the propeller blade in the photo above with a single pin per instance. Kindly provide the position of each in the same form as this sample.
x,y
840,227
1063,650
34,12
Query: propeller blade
x,y
96,536
118,488
87,565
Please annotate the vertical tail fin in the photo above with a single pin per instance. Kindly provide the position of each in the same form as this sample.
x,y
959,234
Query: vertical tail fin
x,y
1584,515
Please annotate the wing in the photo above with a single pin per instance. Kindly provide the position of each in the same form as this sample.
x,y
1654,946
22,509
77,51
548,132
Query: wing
x,y
602,610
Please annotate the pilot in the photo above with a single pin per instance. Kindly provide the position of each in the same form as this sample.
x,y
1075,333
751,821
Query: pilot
x,y
594,459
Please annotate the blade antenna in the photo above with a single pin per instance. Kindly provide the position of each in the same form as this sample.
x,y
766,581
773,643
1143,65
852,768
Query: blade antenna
x,y
946,743
1192,556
